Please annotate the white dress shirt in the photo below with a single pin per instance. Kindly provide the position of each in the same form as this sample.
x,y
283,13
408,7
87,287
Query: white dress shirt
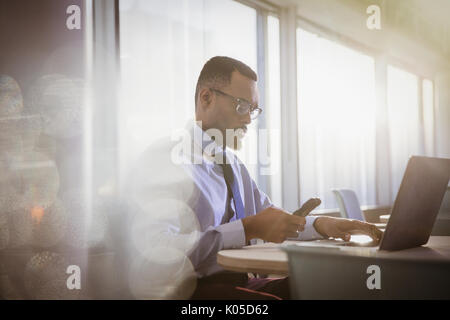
x,y
219,228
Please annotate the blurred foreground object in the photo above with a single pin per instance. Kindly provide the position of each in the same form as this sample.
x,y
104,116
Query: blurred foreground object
x,y
59,101
11,101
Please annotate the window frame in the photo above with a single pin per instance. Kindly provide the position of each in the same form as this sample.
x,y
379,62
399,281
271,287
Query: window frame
x,y
382,61
289,21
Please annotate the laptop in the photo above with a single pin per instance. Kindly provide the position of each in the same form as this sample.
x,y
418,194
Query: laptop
x,y
415,208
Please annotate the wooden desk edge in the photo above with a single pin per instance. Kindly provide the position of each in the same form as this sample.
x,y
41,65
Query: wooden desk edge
x,y
281,266
264,267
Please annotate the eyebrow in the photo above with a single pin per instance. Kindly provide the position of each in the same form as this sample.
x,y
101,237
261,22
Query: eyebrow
x,y
230,95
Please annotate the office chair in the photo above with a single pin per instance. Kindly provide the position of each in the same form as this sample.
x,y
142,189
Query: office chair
x,y
348,204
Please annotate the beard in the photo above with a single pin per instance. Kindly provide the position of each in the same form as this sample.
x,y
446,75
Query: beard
x,y
234,137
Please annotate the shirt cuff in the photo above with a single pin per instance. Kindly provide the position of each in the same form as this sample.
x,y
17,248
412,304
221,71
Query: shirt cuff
x,y
310,233
233,234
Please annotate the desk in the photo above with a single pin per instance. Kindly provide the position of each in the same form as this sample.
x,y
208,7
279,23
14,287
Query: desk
x,y
268,258
416,273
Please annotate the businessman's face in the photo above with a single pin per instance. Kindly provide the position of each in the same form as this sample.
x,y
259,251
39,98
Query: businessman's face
x,y
221,112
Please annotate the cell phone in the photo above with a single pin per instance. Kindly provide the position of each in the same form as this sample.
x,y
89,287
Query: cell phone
x,y
307,207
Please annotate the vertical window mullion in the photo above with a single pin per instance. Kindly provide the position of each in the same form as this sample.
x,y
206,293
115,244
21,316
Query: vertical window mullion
x,y
261,36
428,116
105,75
289,128
421,118
383,157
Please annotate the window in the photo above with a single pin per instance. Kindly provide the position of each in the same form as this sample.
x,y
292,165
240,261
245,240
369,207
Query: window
x,y
164,45
336,120
411,121
339,125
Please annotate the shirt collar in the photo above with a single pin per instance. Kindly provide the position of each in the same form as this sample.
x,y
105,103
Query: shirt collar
x,y
205,142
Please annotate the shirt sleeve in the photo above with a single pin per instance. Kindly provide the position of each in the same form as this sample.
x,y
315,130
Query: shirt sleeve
x,y
233,234
309,233
226,236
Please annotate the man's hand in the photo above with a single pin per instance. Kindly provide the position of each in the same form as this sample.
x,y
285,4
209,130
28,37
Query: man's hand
x,y
344,228
273,225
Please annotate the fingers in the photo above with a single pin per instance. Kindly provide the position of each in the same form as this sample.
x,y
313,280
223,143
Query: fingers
x,y
276,225
295,228
359,227
343,235
293,225
378,232
292,234
297,220
373,231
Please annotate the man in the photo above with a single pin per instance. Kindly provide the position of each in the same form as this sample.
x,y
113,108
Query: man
x,y
229,205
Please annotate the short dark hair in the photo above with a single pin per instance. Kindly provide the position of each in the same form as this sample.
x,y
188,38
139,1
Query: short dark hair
x,y
217,72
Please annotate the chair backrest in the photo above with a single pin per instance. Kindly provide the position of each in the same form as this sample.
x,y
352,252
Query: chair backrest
x,y
348,204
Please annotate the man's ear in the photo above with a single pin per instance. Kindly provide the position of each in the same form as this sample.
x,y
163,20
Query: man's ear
x,y
205,98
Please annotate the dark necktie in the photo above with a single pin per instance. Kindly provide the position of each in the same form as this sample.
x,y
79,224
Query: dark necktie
x,y
233,188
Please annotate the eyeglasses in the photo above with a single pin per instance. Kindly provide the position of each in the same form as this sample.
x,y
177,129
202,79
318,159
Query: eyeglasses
x,y
243,107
